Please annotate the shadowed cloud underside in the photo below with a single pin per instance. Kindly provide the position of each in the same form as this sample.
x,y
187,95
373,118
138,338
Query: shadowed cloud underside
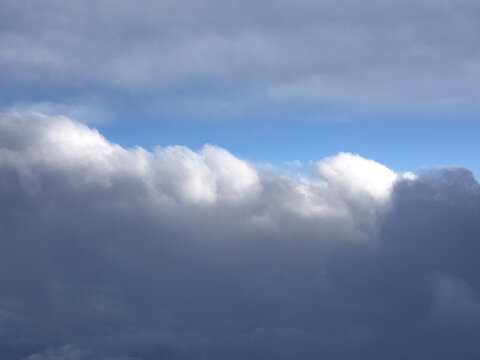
x,y
114,253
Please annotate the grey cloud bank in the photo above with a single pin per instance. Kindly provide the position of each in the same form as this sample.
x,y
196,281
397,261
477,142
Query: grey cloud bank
x,y
109,253
217,56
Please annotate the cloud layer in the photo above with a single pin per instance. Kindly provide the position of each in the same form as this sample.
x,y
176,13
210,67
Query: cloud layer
x,y
113,253
224,57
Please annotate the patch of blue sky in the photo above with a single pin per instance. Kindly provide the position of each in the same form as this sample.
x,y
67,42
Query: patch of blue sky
x,y
400,143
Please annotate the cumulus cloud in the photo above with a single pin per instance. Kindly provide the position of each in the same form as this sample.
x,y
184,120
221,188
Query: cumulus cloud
x,y
114,253
377,56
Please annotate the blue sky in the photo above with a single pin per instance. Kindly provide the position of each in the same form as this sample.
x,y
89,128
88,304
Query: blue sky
x,y
401,144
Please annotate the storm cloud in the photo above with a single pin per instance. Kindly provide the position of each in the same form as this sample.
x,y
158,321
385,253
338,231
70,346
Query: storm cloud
x,y
226,57
113,253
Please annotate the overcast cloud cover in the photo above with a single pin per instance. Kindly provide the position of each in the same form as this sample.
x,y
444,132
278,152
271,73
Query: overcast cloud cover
x,y
113,253
222,57
178,253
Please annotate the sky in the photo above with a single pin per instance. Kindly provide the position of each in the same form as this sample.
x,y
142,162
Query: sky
x,y
256,78
239,180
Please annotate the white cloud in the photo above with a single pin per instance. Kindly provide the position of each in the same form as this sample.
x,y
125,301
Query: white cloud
x,y
350,173
209,175
113,253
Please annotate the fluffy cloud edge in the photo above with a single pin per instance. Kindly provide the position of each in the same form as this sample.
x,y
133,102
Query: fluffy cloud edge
x,y
207,175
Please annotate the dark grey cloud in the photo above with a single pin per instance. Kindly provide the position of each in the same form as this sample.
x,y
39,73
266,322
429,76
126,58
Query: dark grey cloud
x,y
108,253
216,56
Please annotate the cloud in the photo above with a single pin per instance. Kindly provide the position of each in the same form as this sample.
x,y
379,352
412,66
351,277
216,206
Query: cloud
x,y
379,56
85,113
113,253
358,175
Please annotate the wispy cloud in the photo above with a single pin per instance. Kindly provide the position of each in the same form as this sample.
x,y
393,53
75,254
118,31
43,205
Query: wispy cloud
x,y
378,56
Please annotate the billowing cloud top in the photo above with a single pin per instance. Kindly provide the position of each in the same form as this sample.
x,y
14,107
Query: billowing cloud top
x,y
113,253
